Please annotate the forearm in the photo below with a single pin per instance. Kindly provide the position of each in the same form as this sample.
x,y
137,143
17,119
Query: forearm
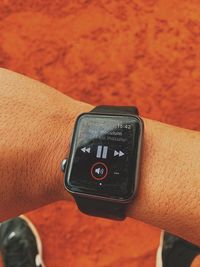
x,y
169,190
36,124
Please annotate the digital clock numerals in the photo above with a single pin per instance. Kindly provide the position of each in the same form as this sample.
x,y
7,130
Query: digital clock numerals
x,y
124,126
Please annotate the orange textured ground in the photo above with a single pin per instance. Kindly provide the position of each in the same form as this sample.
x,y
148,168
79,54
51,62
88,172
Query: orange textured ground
x,y
142,52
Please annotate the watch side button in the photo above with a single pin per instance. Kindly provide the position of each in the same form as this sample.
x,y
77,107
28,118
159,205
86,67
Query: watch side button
x,y
63,165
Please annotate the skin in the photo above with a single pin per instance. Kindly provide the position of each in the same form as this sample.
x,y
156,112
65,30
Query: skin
x,y
196,262
36,124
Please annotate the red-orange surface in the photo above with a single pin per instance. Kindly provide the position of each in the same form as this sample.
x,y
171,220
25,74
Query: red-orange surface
x,y
142,52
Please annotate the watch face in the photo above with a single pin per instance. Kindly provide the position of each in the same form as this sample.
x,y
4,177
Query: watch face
x,y
103,158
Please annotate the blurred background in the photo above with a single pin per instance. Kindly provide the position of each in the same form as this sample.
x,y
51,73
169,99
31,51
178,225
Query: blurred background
x,y
126,52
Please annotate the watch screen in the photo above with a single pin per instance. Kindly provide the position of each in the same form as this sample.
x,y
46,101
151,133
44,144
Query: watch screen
x,y
104,155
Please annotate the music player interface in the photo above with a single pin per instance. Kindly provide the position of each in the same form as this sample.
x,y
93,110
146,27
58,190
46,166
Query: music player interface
x,y
103,155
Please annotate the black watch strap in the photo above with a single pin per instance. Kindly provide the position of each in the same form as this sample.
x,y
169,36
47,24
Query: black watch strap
x,y
116,110
100,207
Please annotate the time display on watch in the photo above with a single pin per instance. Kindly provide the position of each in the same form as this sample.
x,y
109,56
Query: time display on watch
x,y
103,159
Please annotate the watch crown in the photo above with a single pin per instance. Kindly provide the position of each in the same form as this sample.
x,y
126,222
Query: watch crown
x,y
63,165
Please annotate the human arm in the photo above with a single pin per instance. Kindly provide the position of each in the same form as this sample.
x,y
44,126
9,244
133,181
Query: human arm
x,y
36,124
169,191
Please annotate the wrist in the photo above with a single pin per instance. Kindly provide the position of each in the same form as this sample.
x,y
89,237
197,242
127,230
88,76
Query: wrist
x,y
155,172
58,148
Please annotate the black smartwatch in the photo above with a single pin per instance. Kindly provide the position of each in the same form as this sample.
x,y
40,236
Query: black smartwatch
x,y
102,170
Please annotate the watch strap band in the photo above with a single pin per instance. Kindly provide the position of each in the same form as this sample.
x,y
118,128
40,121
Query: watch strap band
x,y
98,207
131,110
101,208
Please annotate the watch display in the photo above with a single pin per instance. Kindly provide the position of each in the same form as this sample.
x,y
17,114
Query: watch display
x,y
103,159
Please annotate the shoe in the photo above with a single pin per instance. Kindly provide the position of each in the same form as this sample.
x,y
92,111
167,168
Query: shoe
x,y
175,251
20,243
